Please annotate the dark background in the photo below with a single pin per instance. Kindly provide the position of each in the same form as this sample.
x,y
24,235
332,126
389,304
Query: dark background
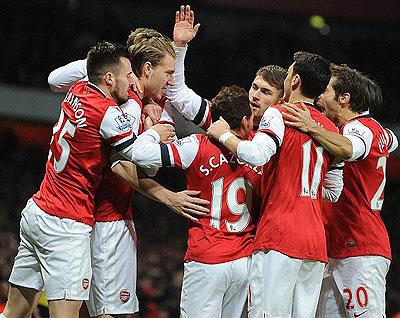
x,y
234,40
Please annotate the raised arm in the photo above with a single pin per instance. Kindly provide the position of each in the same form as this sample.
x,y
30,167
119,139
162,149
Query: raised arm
x,y
192,106
62,78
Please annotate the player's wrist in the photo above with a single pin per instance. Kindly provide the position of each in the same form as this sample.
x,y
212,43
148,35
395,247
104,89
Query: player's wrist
x,y
225,136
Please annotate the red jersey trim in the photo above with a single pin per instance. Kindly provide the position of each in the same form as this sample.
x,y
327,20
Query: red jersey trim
x,y
177,157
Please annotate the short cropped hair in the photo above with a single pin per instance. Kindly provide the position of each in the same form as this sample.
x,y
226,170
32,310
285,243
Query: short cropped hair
x,y
314,72
232,103
274,75
148,45
104,57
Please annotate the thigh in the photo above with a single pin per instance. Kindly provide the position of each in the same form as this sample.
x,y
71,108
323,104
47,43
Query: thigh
x,y
203,289
272,280
307,288
114,266
361,282
235,296
63,250
330,302
26,268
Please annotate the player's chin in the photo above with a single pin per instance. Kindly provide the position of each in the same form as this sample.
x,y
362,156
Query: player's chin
x,y
122,100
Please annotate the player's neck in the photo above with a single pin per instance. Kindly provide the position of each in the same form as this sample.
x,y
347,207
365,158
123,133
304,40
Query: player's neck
x,y
297,97
106,90
347,114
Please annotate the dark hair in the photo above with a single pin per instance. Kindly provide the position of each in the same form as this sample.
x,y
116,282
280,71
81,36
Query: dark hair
x,y
314,72
274,75
232,103
104,57
148,45
374,98
364,92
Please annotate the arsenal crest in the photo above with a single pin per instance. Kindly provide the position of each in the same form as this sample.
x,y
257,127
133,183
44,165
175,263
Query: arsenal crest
x,y
85,283
124,295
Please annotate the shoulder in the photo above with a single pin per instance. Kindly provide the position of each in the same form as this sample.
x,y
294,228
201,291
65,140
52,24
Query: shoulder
x,y
322,120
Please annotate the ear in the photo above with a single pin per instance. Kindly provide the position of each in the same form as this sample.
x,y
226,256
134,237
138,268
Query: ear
x,y
296,81
109,78
344,99
245,122
147,68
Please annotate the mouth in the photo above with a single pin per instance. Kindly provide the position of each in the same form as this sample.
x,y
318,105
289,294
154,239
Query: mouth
x,y
254,105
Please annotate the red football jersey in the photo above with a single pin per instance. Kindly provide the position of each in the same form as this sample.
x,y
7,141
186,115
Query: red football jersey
x,y
89,124
354,224
113,198
291,187
227,232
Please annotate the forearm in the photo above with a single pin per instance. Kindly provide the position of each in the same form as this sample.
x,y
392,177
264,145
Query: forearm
x,y
184,99
333,142
137,179
145,151
62,78
333,183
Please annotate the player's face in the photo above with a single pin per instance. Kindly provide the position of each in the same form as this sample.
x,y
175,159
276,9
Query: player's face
x,y
287,85
261,96
161,77
122,82
329,103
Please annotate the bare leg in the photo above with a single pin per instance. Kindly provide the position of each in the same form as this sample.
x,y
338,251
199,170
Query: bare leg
x,y
64,308
21,301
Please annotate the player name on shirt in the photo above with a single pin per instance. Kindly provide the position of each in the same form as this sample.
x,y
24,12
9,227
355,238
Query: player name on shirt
x,y
76,105
216,162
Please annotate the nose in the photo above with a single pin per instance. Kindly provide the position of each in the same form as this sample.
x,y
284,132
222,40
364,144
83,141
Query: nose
x,y
257,94
171,82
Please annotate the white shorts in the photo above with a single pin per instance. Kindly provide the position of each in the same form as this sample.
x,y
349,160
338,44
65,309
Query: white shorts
x,y
53,255
282,286
355,287
215,290
114,266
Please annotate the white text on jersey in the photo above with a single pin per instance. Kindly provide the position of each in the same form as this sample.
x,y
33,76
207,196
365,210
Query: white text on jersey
x,y
76,107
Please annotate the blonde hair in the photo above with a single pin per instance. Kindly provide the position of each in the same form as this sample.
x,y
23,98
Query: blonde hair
x,y
147,45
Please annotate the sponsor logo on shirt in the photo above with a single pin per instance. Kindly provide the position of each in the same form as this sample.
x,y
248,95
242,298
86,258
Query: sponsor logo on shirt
x,y
124,122
181,142
265,122
357,132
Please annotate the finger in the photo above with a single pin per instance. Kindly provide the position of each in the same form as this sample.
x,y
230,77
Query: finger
x,y
198,208
292,123
290,106
177,17
182,15
196,28
192,192
193,212
196,200
187,14
294,118
288,109
304,106
191,18
189,217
